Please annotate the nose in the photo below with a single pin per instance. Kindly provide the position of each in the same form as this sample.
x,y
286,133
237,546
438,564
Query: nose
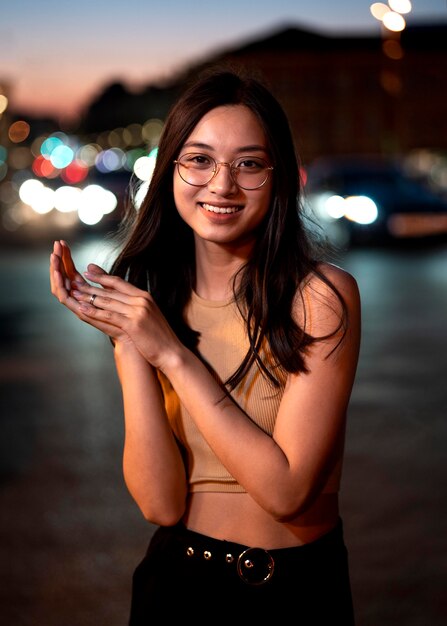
x,y
222,181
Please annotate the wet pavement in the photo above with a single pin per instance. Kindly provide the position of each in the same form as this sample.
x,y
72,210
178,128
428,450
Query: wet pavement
x,y
70,534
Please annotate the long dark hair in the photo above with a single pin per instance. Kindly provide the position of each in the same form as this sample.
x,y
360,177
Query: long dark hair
x,y
158,249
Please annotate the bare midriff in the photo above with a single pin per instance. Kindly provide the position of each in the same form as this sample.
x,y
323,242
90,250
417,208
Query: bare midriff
x,y
237,517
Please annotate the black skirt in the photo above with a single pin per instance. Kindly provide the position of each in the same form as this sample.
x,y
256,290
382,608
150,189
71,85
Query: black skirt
x,y
189,576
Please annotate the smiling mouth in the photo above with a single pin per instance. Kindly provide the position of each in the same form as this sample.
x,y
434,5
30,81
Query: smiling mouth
x,y
220,209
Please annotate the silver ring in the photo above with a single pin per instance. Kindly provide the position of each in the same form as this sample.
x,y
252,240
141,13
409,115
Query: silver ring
x,y
92,299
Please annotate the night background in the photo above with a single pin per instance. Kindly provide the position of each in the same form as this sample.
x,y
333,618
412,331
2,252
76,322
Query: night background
x,y
84,92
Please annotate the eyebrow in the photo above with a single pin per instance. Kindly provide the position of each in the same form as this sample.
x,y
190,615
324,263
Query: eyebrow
x,y
241,149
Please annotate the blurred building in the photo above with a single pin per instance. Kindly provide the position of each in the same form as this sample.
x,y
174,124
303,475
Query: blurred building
x,y
343,94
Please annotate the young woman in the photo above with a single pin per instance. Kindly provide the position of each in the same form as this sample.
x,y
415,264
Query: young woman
x,y
236,345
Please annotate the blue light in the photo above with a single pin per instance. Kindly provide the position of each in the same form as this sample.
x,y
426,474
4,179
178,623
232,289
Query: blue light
x,y
61,156
49,145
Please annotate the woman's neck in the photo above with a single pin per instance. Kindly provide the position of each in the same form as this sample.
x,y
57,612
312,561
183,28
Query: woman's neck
x,y
215,270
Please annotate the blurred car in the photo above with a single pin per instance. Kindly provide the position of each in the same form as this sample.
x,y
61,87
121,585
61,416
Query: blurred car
x,y
361,200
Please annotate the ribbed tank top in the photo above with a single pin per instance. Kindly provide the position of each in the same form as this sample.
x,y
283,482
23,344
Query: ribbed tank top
x,y
223,343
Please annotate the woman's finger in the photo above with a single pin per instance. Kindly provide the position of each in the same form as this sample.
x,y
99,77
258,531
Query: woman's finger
x,y
116,302
95,269
70,268
115,283
111,330
57,278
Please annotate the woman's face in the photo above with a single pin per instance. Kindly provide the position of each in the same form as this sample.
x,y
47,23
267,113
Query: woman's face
x,y
222,212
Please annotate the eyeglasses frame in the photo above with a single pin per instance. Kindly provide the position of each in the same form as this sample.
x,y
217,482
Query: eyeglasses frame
x,y
216,168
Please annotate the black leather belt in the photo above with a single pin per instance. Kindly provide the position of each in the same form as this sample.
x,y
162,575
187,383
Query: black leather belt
x,y
255,566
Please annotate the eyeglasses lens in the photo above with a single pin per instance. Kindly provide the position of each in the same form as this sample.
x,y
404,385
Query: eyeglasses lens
x,y
199,169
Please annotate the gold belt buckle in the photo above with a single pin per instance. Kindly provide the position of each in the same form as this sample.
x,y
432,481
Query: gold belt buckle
x,y
255,566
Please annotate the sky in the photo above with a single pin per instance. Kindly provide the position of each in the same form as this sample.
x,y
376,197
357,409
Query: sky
x,y
56,56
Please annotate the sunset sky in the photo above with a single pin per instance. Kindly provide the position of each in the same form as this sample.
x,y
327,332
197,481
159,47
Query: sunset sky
x,y
56,56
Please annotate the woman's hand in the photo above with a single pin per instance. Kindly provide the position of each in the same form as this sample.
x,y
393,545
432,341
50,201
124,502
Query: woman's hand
x,y
65,280
62,271
123,310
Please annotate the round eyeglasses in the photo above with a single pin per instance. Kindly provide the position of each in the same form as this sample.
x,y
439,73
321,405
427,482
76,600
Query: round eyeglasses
x,y
248,172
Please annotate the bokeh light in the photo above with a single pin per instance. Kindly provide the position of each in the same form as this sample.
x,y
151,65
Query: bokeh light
x,y
61,156
49,145
94,203
3,103
144,166
394,21
400,6
75,172
42,167
361,209
19,131
139,194
88,153
379,10
151,131
66,199
335,206
392,49
39,197
110,160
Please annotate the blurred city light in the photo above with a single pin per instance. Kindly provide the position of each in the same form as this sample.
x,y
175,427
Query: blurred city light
x,y
361,209
55,179
392,49
19,131
391,14
91,203
66,199
3,103
378,10
88,154
400,6
29,189
332,207
144,166
94,203
43,201
50,144
151,131
140,194
75,172
394,21
110,160
61,156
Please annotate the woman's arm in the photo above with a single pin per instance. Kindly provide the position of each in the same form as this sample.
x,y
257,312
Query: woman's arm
x,y
153,468
285,472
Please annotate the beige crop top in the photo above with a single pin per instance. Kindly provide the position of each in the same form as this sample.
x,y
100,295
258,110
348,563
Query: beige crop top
x,y
223,344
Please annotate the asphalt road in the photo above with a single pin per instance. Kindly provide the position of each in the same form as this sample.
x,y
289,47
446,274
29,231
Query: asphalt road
x,y
71,534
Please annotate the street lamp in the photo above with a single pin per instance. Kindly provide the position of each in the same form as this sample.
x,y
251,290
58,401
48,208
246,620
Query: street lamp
x,y
391,14
393,23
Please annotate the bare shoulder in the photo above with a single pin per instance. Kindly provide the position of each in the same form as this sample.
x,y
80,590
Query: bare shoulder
x,y
329,294
339,278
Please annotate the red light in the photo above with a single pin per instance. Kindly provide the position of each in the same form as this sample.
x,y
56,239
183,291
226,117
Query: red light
x,y
43,167
75,172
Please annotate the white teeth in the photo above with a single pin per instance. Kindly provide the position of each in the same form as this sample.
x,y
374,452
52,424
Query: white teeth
x,y
219,209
